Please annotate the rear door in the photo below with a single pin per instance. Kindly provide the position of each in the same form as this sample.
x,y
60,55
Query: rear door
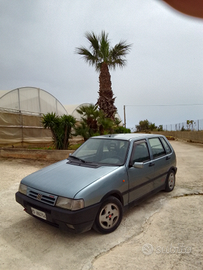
x,y
140,179
160,161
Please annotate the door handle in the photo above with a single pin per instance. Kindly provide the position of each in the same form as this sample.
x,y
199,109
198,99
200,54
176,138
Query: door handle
x,y
167,158
151,164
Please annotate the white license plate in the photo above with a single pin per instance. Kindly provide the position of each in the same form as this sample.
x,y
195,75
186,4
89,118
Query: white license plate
x,y
38,213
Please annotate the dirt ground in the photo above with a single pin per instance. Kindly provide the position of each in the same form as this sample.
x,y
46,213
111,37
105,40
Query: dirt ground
x,y
164,232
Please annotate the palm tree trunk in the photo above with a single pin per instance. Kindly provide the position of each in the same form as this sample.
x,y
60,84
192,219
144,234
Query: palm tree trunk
x,y
106,99
54,136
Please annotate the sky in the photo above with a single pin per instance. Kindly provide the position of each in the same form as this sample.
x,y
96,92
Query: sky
x,y
162,81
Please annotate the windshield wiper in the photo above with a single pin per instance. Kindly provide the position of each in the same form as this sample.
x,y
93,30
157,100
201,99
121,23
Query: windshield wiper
x,y
80,159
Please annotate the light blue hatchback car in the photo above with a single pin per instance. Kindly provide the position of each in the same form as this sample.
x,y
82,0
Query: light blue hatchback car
x,y
101,179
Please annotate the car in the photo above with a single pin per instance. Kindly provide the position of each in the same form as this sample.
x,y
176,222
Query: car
x,y
105,176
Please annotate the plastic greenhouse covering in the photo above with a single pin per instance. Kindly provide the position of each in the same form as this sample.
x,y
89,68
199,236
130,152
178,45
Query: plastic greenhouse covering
x,y
19,129
21,112
31,100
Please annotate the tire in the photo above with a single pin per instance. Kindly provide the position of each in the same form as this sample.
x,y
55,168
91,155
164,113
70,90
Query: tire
x,y
109,216
170,181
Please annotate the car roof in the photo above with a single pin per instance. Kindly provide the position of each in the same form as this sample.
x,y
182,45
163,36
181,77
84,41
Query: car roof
x,y
127,136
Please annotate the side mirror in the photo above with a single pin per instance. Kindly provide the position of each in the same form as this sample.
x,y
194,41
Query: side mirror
x,y
138,165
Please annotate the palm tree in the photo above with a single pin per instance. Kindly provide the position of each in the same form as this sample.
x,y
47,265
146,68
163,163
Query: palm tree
x,y
88,125
102,57
52,122
67,123
93,122
60,127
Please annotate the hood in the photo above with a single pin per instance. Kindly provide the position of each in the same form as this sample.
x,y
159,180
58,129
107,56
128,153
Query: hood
x,y
64,179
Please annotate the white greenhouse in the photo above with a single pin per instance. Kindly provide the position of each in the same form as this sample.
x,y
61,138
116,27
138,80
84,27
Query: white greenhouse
x,y
30,100
21,112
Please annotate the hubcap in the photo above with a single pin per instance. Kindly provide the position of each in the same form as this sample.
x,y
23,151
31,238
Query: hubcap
x,y
109,216
171,180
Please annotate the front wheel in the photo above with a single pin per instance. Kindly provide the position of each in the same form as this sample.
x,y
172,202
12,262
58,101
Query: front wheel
x,y
109,216
170,181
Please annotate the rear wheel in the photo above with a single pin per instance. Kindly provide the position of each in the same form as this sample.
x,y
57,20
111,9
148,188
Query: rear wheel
x,y
170,181
109,216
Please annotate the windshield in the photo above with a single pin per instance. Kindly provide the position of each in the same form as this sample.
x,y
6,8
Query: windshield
x,y
103,151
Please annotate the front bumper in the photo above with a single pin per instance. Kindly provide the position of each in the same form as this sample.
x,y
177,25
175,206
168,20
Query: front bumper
x,y
77,221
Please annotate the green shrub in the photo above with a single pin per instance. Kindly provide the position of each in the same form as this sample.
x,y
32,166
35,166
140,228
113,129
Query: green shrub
x,y
60,127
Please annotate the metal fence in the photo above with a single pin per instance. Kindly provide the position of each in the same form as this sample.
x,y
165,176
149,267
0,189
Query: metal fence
x,y
193,125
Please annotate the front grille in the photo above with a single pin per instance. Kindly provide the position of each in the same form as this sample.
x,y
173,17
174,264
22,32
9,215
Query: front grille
x,y
41,196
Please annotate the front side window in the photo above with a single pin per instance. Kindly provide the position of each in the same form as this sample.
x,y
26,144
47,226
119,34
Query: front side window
x,y
157,147
140,152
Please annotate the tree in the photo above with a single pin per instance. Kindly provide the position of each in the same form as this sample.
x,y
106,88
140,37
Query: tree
x,y
93,122
122,129
152,126
88,125
67,124
145,126
160,128
51,121
102,57
60,127
190,124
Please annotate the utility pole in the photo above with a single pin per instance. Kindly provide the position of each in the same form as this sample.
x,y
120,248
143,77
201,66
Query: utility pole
x,y
124,116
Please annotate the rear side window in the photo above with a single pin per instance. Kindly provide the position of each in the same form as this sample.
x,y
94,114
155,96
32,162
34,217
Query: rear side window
x,y
140,152
157,147
166,146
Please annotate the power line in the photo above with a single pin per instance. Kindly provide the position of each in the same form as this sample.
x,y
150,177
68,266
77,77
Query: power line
x,y
159,105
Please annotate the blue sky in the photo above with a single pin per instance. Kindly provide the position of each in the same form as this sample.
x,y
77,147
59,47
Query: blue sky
x,y
165,65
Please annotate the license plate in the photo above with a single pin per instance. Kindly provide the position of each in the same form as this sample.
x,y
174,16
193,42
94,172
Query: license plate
x,y
38,213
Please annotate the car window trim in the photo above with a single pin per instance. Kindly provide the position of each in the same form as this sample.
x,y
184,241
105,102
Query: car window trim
x,y
154,158
138,142
166,144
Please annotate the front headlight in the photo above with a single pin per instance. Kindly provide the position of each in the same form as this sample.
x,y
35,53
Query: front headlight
x,y
70,204
22,189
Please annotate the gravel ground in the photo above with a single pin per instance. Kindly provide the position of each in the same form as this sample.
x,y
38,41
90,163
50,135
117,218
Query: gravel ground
x,y
164,232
